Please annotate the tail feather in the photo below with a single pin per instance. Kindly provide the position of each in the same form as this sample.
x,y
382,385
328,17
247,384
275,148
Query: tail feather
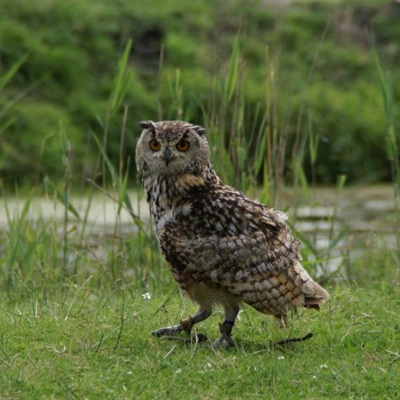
x,y
313,293
320,296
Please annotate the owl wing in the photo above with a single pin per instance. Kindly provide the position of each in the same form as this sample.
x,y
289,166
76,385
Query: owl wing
x,y
210,255
231,242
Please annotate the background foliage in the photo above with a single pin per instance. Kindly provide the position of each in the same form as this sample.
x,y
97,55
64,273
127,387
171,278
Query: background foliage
x,y
319,64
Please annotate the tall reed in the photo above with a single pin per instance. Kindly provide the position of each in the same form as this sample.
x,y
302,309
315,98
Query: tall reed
x,y
392,140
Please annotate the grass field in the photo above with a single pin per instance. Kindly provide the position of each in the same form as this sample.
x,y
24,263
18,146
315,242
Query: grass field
x,y
77,312
93,344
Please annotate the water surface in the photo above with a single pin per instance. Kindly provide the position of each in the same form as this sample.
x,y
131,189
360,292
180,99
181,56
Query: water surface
x,y
322,218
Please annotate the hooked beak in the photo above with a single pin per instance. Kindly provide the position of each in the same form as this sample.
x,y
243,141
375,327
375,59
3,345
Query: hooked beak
x,y
167,156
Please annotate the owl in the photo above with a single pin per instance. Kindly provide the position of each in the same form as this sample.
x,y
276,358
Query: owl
x,y
222,247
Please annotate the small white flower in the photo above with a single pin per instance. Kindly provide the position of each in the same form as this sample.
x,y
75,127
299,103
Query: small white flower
x,y
323,366
207,366
178,371
281,357
146,296
314,377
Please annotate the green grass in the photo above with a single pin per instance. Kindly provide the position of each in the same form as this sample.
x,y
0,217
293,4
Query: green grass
x,y
75,323
98,345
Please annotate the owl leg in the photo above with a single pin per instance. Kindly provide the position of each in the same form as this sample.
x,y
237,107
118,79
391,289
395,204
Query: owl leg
x,y
185,325
201,314
226,328
282,320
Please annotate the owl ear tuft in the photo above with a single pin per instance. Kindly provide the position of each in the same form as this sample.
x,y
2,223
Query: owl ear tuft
x,y
199,130
147,125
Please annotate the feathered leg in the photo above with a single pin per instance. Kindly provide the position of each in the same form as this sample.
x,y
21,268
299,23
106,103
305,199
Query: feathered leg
x,y
185,325
225,340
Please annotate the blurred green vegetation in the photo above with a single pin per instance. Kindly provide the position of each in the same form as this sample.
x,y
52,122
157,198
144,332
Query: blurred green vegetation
x,y
321,54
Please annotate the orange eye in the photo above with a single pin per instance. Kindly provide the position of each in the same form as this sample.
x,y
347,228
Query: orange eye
x,y
183,145
155,145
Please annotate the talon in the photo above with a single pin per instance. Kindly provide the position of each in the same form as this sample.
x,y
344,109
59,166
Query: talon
x,y
198,338
168,331
225,341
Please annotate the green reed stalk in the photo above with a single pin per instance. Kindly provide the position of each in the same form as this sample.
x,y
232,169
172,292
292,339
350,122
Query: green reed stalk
x,y
392,142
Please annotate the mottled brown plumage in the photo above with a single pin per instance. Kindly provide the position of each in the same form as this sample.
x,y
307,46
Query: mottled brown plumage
x,y
222,247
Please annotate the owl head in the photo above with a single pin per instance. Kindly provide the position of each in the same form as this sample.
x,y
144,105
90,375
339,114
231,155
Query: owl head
x,y
171,148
